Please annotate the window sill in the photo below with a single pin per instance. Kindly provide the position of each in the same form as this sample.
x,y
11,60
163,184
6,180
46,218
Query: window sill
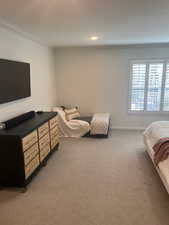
x,y
148,113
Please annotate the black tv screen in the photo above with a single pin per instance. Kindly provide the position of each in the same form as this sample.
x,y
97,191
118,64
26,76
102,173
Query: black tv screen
x,y
14,80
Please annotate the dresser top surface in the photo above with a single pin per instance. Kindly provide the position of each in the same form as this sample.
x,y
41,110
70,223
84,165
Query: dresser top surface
x,y
29,125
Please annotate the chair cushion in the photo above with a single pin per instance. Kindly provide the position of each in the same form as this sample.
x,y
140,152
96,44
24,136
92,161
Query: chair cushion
x,y
71,113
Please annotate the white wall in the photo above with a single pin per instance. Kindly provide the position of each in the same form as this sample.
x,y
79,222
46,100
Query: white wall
x,y
96,80
43,80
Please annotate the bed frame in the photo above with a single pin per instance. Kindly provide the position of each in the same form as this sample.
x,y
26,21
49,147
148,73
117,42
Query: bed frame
x,y
156,167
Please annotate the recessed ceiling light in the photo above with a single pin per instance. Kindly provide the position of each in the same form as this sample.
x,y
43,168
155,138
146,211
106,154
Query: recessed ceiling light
x,y
94,38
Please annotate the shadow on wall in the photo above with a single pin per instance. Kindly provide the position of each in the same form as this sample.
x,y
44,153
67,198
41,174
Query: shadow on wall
x,y
14,108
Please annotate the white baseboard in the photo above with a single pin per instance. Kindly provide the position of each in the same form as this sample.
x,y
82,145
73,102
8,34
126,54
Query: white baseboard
x,y
127,128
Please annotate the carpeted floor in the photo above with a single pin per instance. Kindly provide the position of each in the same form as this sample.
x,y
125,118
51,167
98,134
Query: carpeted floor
x,y
92,182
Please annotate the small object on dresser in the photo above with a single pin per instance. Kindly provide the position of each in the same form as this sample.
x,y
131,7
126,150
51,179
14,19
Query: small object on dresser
x,y
39,112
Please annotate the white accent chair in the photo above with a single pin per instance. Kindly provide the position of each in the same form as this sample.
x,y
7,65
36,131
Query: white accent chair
x,y
72,128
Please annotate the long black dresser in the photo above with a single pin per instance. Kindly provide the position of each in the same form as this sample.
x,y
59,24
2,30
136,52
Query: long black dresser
x,y
25,148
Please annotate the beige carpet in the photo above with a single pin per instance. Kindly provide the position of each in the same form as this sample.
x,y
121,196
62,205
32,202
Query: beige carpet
x,y
92,182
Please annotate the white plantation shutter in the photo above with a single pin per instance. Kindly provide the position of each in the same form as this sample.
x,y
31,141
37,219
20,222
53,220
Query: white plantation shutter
x,y
166,90
149,86
154,87
138,86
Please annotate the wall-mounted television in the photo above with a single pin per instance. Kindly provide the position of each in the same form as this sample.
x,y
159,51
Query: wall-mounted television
x,y
14,80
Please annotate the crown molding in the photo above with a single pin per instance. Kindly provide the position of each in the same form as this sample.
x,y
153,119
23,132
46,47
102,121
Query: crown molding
x,y
122,46
14,28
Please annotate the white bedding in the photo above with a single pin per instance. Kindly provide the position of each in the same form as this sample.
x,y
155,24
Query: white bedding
x,y
152,134
156,131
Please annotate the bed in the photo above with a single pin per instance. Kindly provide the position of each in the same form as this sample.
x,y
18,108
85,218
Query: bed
x,y
152,135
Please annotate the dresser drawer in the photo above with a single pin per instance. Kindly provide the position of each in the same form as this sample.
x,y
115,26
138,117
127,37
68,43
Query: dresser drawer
x,y
44,152
54,132
44,141
31,153
29,169
29,140
53,122
43,130
54,141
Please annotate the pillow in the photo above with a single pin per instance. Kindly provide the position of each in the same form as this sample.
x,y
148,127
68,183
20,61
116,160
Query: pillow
x,y
72,113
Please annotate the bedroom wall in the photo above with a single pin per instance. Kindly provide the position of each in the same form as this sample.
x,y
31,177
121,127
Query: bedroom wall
x,y
13,46
96,80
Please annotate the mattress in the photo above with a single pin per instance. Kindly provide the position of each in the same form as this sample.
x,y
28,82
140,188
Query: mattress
x,y
151,136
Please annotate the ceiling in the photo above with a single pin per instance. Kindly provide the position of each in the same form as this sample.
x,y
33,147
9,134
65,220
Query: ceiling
x,y
72,22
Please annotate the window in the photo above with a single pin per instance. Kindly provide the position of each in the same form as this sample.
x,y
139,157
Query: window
x,y
149,86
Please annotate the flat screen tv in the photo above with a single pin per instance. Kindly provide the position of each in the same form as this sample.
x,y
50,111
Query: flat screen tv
x,y
14,80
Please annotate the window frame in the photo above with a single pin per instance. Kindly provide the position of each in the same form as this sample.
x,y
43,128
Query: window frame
x,y
146,61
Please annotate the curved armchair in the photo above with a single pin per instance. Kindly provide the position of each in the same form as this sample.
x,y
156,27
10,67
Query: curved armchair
x,y
72,128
